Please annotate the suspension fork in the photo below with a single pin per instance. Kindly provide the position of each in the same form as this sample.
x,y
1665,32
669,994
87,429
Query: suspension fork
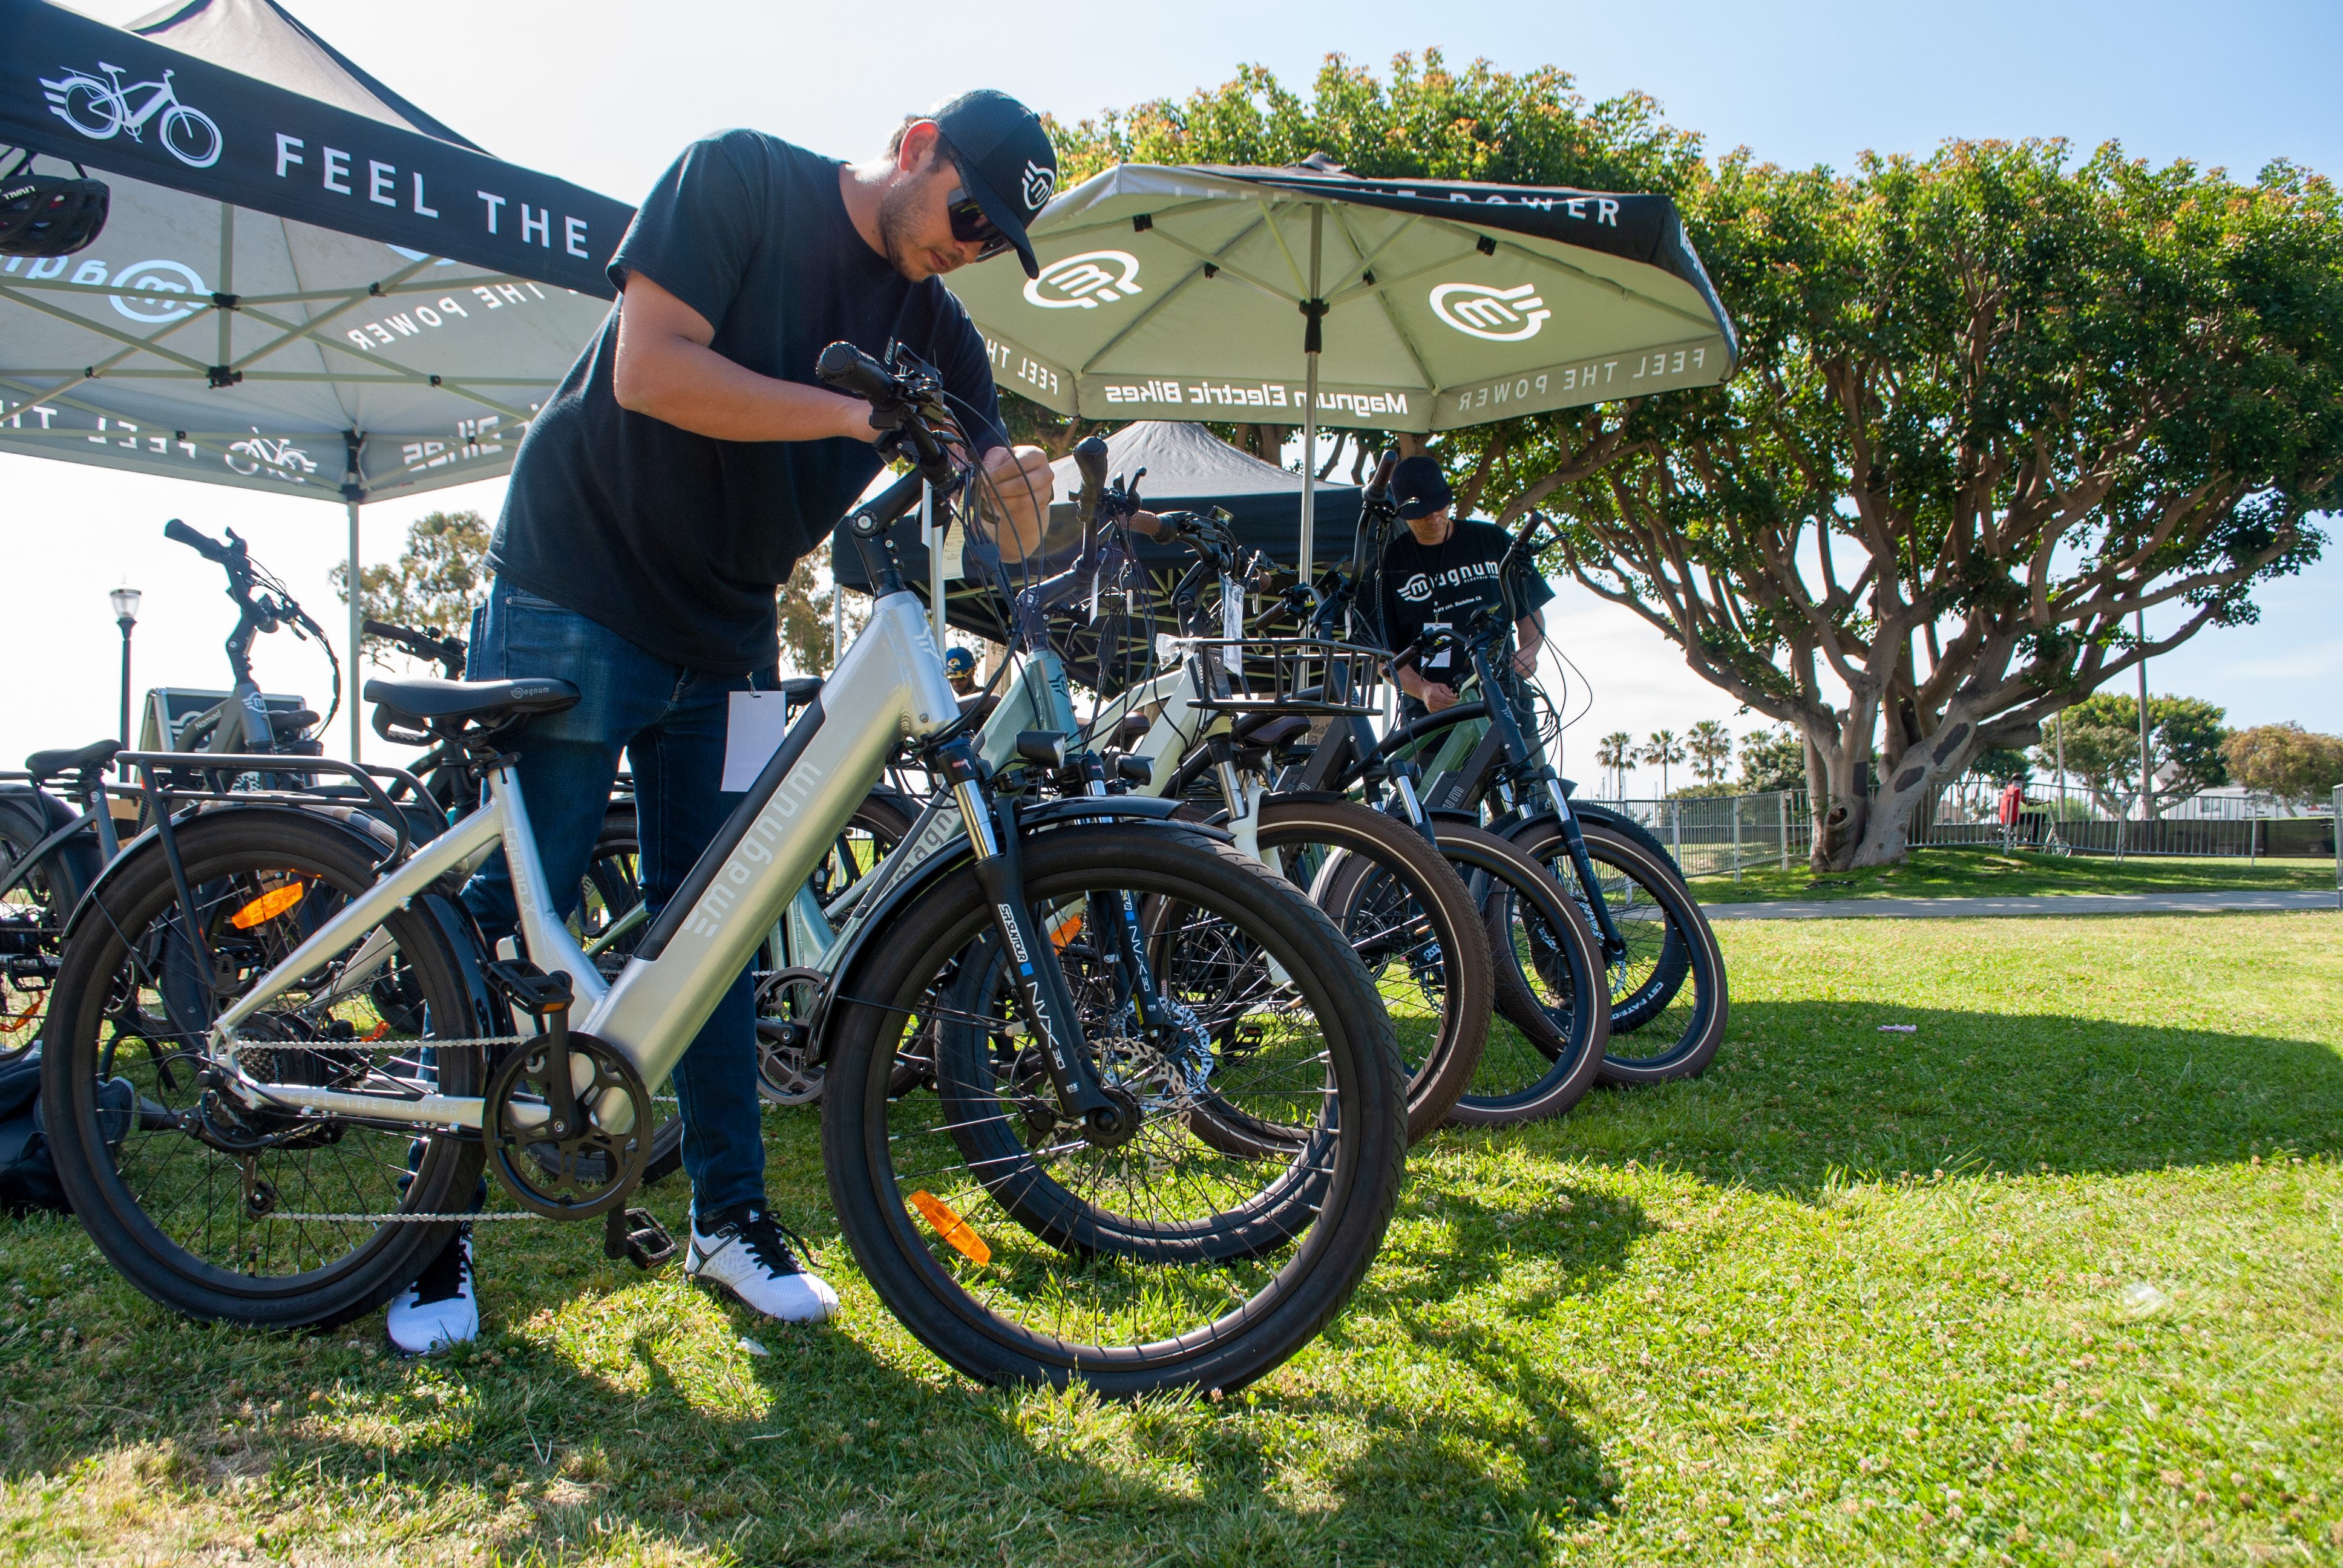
x,y
1117,919
1045,1004
1517,748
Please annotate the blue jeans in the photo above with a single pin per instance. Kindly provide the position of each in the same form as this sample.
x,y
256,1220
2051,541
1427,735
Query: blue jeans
x,y
670,721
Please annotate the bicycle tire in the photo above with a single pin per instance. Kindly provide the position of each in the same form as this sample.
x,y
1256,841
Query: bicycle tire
x,y
1657,1034
1382,857
359,1265
970,1312
1651,995
1545,960
33,914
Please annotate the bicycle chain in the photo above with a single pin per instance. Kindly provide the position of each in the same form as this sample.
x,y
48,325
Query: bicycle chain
x,y
401,1219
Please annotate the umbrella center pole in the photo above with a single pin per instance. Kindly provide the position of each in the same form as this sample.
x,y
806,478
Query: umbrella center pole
x,y
1313,338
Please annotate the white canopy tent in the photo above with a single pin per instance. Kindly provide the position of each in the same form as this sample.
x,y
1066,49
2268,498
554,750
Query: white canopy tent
x,y
305,284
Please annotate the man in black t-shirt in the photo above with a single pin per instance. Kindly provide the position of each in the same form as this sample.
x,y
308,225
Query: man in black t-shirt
x,y
685,463
1443,572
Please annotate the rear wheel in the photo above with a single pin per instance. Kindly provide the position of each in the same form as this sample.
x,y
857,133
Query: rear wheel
x,y
1546,1046
1668,996
1021,1251
1406,914
789,1069
33,913
243,1208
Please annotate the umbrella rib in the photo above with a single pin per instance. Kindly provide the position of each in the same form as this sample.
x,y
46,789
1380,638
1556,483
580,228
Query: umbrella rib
x,y
1239,272
104,330
1300,283
1368,257
1390,311
1074,230
1163,300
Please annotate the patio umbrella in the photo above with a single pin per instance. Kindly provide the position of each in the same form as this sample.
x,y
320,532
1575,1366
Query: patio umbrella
x,y
1173,292
305,284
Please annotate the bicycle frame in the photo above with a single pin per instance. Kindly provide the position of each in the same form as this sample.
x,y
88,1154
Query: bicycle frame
x,y
890,684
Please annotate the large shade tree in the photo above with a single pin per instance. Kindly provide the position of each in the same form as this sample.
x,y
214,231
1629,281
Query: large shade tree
x,y
1996,403
1993,403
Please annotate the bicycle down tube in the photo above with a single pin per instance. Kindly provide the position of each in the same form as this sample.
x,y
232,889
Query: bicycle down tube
x,y
890,683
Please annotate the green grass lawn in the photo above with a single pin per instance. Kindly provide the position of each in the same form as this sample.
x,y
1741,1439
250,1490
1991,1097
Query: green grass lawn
x,y
1948,873
2052,1278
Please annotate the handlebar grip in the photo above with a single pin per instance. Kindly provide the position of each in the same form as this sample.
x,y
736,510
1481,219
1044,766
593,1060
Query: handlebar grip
x,y
374,628
1405,657
1382,481
855,373
179,533
1090,458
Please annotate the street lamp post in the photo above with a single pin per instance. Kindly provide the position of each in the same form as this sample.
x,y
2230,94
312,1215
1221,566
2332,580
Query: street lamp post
x,y
125,616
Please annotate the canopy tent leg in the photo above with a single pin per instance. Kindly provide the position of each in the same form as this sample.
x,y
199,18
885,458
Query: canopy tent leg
x,y
837,611
1314,309
935,563
357,626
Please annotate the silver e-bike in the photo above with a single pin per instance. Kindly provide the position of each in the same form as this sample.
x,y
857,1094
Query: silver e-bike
x,y
320,1055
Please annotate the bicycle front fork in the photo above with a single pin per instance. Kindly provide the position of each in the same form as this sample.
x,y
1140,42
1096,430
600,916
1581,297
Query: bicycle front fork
x,y
1044,1003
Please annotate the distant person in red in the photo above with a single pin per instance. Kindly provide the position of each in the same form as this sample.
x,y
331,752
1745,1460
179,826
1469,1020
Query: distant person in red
x,y
2012,803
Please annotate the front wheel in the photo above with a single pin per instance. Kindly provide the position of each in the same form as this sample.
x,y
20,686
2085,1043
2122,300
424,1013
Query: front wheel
x,y
1020,1251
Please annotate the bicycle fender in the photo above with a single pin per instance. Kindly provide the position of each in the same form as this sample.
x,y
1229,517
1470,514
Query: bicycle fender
x,y
374,838
845,971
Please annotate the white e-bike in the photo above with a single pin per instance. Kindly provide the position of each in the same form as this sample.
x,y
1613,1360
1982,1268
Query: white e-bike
x,y
279,1055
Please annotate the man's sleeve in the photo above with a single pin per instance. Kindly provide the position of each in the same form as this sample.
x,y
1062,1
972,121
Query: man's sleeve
x,y
968,376
694,233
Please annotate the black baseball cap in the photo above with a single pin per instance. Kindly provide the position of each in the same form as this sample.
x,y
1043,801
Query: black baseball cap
x,y
1006,162
1420,487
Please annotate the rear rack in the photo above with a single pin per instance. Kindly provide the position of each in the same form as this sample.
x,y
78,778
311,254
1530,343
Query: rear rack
x,y
164,786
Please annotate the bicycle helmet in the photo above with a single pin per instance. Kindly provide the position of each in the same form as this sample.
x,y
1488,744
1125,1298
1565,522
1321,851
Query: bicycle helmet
x,y
48,214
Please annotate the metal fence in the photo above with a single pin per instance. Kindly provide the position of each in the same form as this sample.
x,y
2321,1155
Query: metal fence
x,y
1726,835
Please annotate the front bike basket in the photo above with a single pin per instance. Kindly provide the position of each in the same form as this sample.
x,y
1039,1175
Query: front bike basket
x,y
1286,674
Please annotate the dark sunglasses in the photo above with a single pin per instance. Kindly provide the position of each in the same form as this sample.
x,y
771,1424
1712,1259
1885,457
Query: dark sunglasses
x,y
969,224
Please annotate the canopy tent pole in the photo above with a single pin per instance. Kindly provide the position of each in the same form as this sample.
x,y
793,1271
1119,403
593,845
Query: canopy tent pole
x,y
935,563
1313,339
358,624
354,493
836,609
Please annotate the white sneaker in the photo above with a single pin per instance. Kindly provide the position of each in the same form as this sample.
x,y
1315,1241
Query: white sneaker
x,y
440,1309
744,1254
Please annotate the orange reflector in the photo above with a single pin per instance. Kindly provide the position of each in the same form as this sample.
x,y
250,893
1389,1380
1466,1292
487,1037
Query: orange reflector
x,y
377,1033
1066,934
956,1231
267,907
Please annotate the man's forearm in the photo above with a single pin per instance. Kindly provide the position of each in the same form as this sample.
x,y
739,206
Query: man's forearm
x,y
695,388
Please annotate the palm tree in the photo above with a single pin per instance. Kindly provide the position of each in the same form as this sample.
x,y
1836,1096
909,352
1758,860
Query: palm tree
x,y
1616,751
1662,750
1711,745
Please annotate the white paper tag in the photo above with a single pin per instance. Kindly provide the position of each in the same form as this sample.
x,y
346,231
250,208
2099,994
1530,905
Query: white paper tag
x,y
752,733
1437,661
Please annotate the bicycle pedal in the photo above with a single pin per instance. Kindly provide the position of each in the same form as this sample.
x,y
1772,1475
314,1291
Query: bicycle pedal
x,y
635,1235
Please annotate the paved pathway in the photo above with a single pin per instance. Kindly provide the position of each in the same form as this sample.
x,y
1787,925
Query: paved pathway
x,y
2039,904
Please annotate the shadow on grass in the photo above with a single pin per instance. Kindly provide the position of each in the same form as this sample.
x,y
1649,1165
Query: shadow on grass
x,y
1423,1425
1807,1090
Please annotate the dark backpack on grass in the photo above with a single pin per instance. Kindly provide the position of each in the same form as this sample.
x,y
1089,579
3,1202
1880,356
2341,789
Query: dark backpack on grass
x,y
29,1178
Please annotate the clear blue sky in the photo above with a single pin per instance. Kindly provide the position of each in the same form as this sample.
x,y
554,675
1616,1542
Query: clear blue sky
x,y
606,93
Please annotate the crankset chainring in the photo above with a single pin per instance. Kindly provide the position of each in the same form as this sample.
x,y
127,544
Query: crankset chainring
x,y
588,1170
788,1053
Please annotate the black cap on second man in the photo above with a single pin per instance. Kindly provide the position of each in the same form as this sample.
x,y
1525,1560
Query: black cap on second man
x,y
1006,159
1419,486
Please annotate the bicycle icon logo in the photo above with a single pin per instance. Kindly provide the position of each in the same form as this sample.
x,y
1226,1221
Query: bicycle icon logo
x,y
98,109
280,457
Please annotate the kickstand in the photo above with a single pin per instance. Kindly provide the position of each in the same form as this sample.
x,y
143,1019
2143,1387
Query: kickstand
x,y
635,1235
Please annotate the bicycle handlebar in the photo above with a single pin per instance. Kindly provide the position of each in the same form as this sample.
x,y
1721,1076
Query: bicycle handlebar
x,y
229,555
856,373
448,652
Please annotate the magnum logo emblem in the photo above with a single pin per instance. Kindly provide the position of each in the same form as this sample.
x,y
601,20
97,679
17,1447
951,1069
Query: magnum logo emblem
x,y
755,852
1499,315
